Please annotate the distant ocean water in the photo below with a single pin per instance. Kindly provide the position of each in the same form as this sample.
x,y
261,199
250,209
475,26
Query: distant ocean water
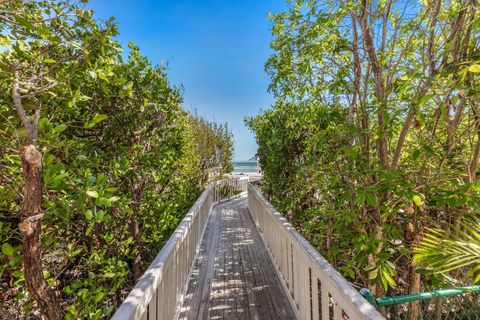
x,y
245,167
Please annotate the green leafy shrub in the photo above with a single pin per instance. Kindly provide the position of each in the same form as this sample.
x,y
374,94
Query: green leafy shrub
x,y
122,160
374,134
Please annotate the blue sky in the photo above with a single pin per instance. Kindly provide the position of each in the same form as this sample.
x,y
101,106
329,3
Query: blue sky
x,y
216,49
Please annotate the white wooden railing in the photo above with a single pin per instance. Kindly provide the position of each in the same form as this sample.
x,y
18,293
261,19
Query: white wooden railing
x,y
159,292
226,189
316,290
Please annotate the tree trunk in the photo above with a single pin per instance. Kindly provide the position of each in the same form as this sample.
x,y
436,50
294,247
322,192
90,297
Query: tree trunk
x,y
415,282
137,193
368,40
30,228
413,236
476,154
137,261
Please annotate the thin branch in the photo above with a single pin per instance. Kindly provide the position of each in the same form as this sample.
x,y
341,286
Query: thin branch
x,y
17,101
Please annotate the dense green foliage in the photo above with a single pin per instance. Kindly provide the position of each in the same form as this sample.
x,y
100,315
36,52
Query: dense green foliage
x,y
375,132
123,162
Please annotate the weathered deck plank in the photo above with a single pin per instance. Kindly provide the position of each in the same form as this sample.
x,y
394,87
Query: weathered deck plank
x,y
233,276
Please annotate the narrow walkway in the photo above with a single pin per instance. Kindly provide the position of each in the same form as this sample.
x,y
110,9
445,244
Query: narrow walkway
x,y
233,276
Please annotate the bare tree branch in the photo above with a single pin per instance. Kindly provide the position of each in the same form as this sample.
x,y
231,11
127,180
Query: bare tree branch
x,y
17,101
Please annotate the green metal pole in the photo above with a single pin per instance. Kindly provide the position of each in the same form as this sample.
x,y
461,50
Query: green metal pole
x,y
386,301
368,296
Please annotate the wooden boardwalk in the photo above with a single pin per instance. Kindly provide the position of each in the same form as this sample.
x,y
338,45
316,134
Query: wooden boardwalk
x,y
233,276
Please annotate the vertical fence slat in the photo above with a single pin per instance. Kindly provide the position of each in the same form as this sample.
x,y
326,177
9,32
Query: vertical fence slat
x,y
325,303
337,311
152,308
315,290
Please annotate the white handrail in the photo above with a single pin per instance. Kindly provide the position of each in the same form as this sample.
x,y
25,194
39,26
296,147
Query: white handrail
x,y
316,290
228,188
160,291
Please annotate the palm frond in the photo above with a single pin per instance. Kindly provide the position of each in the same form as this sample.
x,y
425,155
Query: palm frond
x,y
442,251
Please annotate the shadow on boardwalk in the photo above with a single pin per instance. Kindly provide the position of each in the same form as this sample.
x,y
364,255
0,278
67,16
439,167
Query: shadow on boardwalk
x,y
233,276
